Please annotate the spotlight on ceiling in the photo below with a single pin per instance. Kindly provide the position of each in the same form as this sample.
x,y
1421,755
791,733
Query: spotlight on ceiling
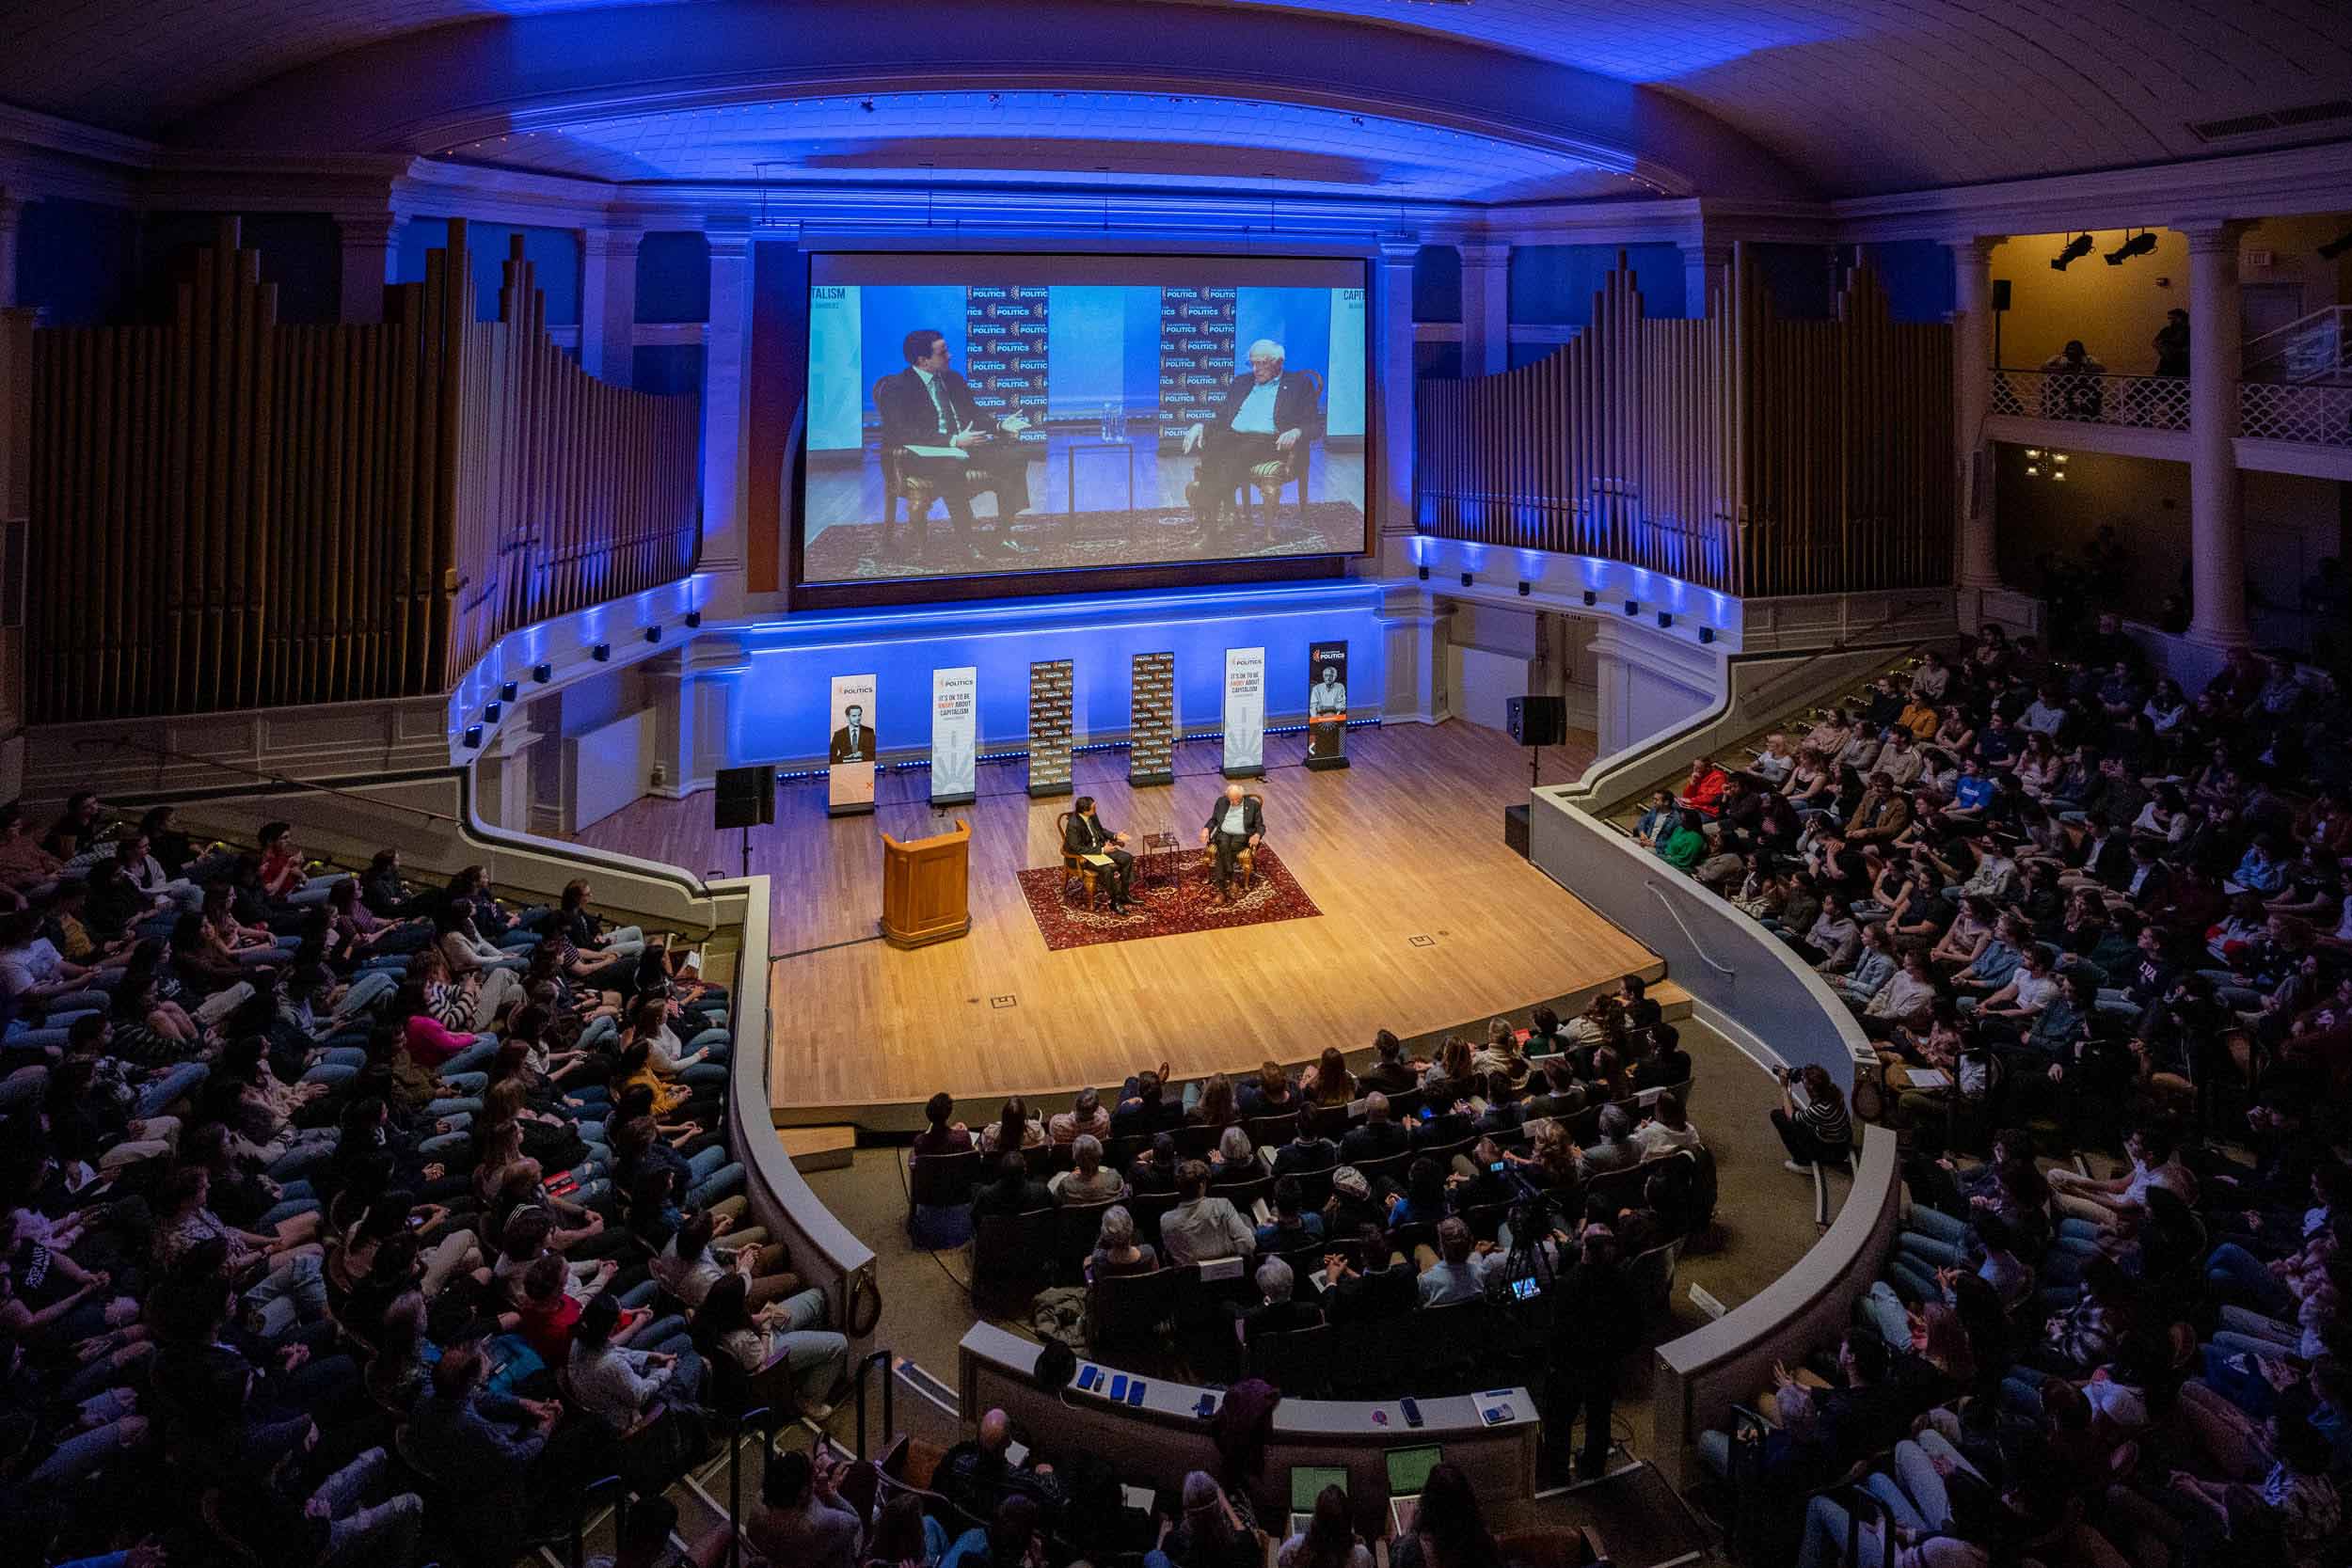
x,y
2138,244
2076,248
2336,246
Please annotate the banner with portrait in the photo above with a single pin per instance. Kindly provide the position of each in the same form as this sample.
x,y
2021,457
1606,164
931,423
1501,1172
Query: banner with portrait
x,y
1327,705
1244,712
955,735
855,743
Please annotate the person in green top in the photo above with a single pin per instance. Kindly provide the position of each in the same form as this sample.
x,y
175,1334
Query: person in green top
x,y
1683,848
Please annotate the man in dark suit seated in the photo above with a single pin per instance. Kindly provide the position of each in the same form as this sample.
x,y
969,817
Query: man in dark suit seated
x,y
1263,416
1085,835
1014,1191
1235,823
928,404
1378,1137
1306,1150
1392,1070
1354,1293
1277,1311
1667,1064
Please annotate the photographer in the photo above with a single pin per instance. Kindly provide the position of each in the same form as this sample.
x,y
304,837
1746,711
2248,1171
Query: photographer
x,y
1812,1121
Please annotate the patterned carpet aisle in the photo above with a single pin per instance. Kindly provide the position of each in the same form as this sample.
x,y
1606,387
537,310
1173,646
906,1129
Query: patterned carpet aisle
x,y
1173,896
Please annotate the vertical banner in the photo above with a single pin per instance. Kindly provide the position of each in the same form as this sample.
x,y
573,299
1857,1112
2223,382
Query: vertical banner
x,y
850,777
1245,713
1049,727
1151,721
1327,705
955,735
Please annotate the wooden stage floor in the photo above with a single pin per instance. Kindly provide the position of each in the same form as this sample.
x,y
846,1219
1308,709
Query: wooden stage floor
x,y
1405,845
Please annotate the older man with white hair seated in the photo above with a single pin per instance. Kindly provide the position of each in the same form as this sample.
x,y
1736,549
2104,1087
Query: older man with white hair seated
x,y
1263,415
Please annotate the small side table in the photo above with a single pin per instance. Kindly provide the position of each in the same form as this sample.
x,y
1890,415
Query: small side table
x,y
1161,843
1070,459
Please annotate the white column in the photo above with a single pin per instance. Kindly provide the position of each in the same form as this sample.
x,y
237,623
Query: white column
x,y
371,245
1486,306
1979,564
2216,528
12,213
1393,395
723,366
608,303
1706,273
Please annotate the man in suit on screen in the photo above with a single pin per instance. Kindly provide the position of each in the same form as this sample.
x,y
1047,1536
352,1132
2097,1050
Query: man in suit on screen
x,y
854,740
929,405
1263,415
1085,835
1235,823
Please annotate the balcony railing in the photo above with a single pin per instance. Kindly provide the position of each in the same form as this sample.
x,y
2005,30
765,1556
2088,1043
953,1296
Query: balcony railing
x,y
2317,414
2136,402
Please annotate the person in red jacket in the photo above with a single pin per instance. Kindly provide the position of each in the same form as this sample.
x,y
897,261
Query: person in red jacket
x,y
1702,791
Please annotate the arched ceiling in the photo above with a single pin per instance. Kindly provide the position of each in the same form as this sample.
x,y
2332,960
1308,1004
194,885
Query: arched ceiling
x,y
1846,96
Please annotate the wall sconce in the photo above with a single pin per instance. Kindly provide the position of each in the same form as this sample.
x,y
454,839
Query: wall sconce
x,y
653,634
601,652
543,671
473,734
506,691
1525,589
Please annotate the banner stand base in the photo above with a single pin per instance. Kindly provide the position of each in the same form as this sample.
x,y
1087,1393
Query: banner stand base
x,y
1256,770
1039,792
1323,765
1140,781
853,808
963,800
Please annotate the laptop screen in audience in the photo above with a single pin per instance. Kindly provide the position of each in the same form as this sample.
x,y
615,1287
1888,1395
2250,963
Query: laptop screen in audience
x,y
1308,1481
1409,1470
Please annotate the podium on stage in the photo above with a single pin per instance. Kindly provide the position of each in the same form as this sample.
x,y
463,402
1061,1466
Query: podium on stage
x,y
927,888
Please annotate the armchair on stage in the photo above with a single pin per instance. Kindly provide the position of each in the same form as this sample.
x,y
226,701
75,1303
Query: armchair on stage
x,y
1246,859
927,888
1271,478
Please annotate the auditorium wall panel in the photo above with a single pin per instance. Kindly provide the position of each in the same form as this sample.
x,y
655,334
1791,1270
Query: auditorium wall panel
x,y
779,712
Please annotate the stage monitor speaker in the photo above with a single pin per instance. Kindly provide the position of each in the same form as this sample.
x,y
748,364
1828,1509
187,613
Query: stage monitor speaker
x,y
1536,721
746,797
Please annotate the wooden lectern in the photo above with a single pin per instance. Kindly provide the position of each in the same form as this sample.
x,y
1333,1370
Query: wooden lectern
x,y
926,888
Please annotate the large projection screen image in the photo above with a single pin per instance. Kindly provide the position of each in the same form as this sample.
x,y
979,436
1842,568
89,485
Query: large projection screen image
x,y
985,415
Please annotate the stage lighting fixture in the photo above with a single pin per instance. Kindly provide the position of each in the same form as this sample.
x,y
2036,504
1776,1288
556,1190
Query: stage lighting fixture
x,y
601,652
1707,635
693,617
2076,248
473,734
506,691
866,103
1632,609
2336,246
1424,573
653,634
1525,589
490,712
543,671
1466,580
1590,597
2138,244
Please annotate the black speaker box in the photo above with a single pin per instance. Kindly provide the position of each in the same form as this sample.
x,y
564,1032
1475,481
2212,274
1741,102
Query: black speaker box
x,y
1536,721
745,797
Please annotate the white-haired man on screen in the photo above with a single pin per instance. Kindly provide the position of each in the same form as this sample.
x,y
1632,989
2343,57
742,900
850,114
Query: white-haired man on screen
x,y
1263,416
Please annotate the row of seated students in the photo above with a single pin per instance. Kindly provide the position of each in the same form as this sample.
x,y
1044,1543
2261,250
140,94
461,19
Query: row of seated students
x,y
2145,1370
2163,911
352,1220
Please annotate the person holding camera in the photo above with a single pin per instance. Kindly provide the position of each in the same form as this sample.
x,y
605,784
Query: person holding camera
x,y
1812,1121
